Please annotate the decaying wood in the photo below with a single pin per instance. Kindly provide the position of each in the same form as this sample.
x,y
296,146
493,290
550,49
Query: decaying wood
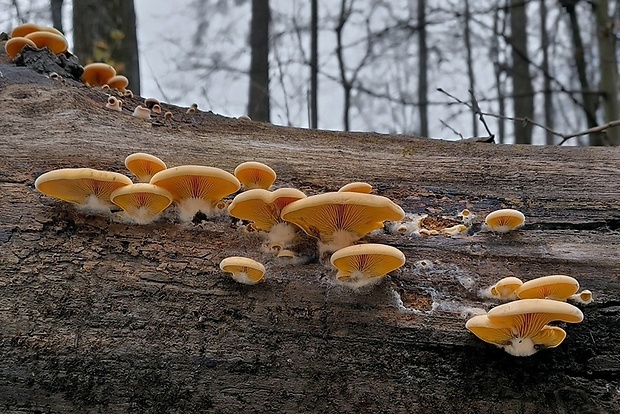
x,y
97,315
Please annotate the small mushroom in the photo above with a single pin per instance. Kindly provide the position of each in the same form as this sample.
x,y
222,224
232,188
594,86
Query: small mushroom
x,y
365,264
584,297
14,46
97,74
128,93
196,188
505,220
142,202
151,102
83,186
156,109
118,82
114,104
505,288
244,270
142,112
255,175
144,166
356,187
54,42
555,287
244,118
521,327
168,115
340,218
263,208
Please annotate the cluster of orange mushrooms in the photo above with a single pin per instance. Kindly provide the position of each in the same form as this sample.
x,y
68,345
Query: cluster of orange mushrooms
x,y
336,219
37,37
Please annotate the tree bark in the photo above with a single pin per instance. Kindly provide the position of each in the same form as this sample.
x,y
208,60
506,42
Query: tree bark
x,y
106,32
522,90
422,69
547,93
258,103
314,65
56,9
588,99
608,68
98,315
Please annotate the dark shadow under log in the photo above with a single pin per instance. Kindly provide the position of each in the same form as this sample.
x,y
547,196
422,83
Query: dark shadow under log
x,y
97,315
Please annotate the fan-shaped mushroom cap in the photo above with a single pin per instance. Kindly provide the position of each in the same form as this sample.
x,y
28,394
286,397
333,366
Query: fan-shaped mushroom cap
x,y
97,74
243,269
27,28
144,166
556,287
83,186
340,218
509,338
585,296
541,311
357,187
255,175
505,220
54,42
119,82
506,287
196,188
142,202
14,46
366,261
263,207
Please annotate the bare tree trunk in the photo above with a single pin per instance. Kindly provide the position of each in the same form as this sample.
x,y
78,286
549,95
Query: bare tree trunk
x,y
347,85
588,99
547,94
608,67
422,68
314,65
106,31
258,104
498,70
522,90
56,8
470,67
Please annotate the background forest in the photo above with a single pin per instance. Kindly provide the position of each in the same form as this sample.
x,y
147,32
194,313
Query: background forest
x,y
538,71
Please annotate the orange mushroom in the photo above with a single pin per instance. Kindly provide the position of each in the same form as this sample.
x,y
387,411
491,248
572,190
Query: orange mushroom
x,y
54,42
255,175
14,46
97,74
144,166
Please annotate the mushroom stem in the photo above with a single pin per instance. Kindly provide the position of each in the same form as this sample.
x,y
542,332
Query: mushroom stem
x,y
188,207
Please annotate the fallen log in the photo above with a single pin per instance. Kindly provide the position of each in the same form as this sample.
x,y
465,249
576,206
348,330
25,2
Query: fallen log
x,y
98,315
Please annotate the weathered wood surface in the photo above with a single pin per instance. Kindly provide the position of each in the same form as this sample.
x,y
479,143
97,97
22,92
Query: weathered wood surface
x,y
101,316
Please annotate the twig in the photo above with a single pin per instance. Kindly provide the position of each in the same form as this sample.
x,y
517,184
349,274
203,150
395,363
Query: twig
x,y
565,137
479,112
451,129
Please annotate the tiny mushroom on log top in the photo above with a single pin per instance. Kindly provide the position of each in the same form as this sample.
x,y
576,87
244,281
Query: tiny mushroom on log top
x,y
356,187
520,327
504,220
263,209
255,175
14,46
83,186
505,288
144,166
114,104
142,202
54,42
365,264
244,270
151,102
555,287
196,188
142,112
339,219
97,74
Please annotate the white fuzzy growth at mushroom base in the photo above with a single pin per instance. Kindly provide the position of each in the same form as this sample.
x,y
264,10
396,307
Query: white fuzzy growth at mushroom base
x,y
338,240
357,280
282,235
95,205
520,347
141,216
242,277
188,207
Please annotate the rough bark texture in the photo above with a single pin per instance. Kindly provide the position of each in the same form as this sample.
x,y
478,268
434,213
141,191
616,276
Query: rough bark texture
x,y
97,315
258,102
